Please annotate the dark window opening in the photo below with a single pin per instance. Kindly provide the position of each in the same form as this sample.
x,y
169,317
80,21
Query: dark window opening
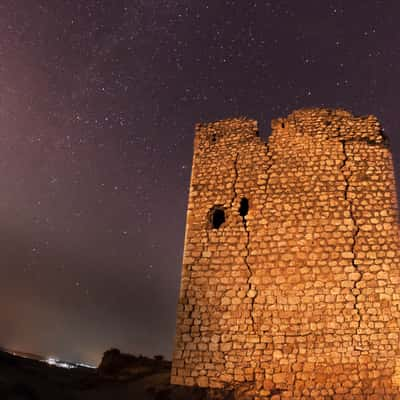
x,y
327,123
282,124
213,138
217,217
244,207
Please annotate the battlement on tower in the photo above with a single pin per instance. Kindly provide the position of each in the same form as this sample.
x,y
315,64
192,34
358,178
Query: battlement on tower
x,y
324,123
290,280
330,124
225,131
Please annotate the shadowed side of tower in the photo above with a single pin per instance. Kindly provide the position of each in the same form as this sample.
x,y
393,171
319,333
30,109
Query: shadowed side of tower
x,y
290,278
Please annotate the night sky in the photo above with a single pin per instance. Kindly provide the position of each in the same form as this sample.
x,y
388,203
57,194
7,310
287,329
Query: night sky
x,y
98,101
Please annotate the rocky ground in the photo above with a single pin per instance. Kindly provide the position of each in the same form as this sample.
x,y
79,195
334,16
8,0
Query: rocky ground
x,y
119,377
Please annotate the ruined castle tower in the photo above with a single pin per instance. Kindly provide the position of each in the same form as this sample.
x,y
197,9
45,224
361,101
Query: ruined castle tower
x,y
291,270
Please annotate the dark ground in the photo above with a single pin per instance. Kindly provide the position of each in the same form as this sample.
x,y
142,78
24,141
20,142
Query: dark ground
x,y
135,378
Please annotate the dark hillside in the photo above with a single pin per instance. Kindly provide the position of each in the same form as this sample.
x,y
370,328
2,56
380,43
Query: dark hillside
x,y
119,377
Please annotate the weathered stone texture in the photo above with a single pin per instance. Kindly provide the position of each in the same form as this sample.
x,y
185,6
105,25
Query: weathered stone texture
x,y
300,295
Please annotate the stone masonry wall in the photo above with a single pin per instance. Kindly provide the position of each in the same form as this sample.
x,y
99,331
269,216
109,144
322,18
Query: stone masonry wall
x,y
291,269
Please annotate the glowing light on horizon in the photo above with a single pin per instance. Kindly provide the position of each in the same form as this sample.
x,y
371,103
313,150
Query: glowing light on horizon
x,y
64,364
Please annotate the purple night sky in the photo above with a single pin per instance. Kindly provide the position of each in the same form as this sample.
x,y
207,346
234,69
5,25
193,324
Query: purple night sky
x,y
98,101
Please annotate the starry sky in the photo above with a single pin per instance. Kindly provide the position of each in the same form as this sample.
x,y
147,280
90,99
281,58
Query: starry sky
x,y
98,101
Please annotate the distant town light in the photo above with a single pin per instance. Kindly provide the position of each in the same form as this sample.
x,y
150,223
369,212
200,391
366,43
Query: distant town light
x,y
65,364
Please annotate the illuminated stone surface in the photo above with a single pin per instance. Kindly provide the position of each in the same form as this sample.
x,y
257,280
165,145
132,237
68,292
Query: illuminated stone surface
x,y
298,295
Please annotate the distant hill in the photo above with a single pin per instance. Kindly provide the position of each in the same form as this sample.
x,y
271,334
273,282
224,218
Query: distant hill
x,y
22,354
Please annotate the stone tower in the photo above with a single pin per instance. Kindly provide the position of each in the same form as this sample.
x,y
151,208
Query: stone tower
x,y
291,270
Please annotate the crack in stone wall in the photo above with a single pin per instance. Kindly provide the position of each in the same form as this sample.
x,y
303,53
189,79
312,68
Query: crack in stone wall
x,y
355,290
268,176
235,179
251,291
